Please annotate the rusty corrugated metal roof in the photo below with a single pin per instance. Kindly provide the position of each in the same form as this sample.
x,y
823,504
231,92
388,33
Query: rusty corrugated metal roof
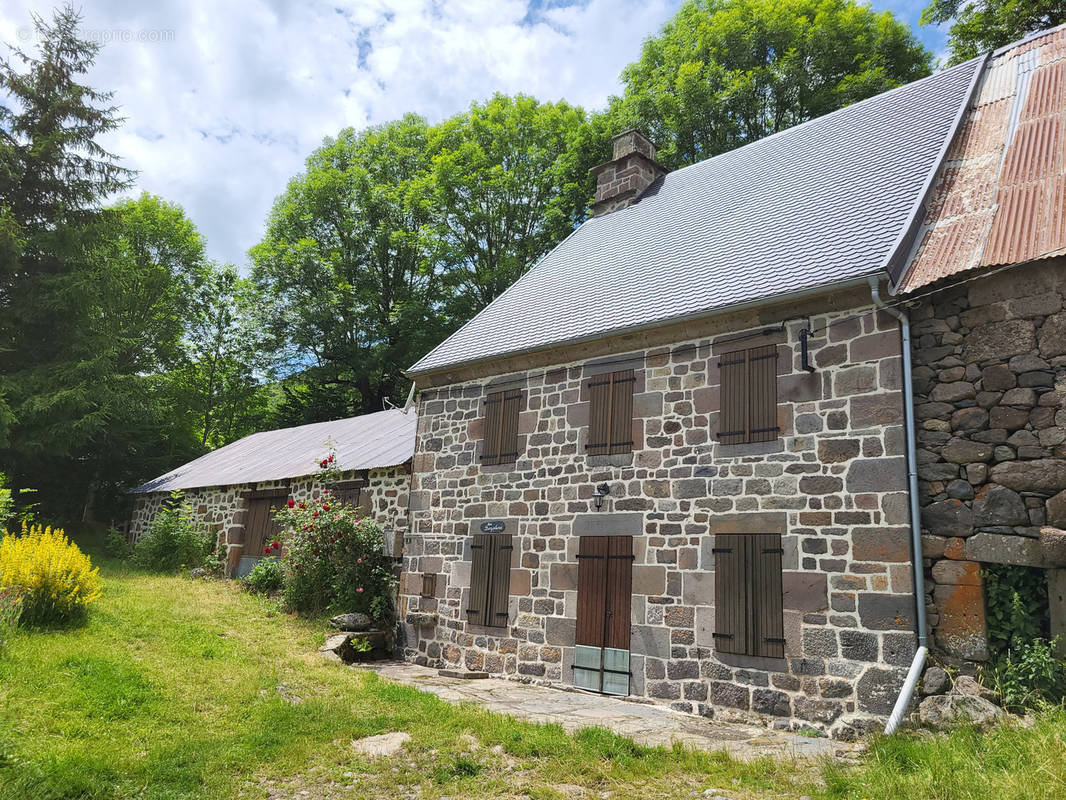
x,y
384,439
999,197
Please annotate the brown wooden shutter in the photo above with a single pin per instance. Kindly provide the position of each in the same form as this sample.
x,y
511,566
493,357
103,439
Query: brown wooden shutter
x,y
591,590
500,584
622,411
599,416
501,427
480,561
619,591
748,615
730,593
748,394
762,394
611,413
490,450
512,404
733,419
767,619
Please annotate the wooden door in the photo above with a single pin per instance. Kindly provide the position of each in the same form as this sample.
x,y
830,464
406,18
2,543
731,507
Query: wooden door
x,y
260,527
604,600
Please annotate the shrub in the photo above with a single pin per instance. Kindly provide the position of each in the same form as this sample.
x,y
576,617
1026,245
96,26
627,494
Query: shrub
x,y
10,612
1030,675
56,580
116,545
266,577
173,540
1016,606
335,559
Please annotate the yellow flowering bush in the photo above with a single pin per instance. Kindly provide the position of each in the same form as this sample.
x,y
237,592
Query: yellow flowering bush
x,y
56,581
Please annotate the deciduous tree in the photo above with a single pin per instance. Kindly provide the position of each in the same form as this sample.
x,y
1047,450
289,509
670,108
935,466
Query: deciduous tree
x,y
723,73
981,25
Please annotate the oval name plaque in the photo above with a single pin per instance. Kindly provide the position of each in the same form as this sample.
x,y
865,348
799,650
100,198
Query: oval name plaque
x,y
493,526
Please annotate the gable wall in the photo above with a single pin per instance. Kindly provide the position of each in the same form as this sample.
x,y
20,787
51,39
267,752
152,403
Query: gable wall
x,y
833,485
990,391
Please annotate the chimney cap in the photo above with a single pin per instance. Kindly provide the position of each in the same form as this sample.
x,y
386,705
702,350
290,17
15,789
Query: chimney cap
x,y
631,140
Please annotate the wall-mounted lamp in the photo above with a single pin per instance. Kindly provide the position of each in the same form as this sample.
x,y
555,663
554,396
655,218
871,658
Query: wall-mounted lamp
x,y
601,492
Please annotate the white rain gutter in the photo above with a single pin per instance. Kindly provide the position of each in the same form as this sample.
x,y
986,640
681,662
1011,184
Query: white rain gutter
x,y
907,692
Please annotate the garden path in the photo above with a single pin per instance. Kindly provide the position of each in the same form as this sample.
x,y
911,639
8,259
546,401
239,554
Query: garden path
x,y
644,723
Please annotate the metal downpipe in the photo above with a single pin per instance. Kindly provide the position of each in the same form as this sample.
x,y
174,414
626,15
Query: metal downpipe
x,y
903,701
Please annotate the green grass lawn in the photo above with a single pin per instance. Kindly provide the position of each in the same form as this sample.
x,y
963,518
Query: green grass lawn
x,y
172,691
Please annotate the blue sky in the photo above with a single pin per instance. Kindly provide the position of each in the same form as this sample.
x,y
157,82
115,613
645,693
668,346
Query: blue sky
x,y
224,101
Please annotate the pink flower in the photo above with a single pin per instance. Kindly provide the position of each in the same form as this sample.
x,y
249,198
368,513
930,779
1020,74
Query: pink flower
x,y
360,590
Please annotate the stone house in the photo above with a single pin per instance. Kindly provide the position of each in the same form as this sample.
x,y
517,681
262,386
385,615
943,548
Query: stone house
x,y
986,280
670,461
233,489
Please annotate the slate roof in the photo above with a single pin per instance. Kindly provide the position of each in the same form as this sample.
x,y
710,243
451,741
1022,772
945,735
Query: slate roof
x,y
813,205
1000,195
384,439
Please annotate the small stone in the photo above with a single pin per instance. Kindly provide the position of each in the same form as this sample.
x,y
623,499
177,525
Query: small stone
x,y
1056,510
997,378
934,681
1019,397
952,392
960,490
998,505
1053,546
948,518
351,622
951,710
381,746
963,451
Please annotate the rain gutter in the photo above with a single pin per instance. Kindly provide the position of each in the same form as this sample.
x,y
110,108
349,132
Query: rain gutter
x,y
907,692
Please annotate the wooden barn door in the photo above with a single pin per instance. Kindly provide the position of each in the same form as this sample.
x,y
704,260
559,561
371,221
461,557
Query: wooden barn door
x,y
604,598
261,528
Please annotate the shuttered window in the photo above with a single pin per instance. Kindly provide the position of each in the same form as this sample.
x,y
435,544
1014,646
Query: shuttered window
x,y
353,493
749,396
501,427
490,579
611,413
747,595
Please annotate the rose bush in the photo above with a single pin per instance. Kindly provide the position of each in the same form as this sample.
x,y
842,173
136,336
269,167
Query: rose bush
x,y
334,559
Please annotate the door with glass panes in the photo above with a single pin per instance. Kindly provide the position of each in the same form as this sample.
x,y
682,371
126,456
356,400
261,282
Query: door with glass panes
x,y
604,596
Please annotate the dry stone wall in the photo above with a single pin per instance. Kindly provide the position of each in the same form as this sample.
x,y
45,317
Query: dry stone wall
x,y
990,386
222,509
833,485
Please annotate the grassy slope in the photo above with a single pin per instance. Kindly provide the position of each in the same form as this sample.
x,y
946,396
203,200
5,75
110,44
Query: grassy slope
x,y
171,691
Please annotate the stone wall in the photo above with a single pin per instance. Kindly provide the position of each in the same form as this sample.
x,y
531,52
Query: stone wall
x,y
990,385
222,509
833,485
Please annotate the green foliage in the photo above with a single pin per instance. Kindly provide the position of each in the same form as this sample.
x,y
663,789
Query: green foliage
x,y
1030,675
334,558
1011,762
266,577
981,25
116,545
347,265
220,381
723,73
1016,603
173,541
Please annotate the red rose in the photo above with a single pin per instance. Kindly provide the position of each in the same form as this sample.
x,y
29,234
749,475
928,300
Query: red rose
x,y
325,507
266,550
275,545
314,513
291,503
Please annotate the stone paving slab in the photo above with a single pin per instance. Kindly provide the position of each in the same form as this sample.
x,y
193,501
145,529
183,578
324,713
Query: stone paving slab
x,y
643,723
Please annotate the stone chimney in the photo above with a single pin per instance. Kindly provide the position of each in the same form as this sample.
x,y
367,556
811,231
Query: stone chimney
x,y
621,181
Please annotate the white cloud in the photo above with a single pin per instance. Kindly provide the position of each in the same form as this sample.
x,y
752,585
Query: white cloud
x,y
224,101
